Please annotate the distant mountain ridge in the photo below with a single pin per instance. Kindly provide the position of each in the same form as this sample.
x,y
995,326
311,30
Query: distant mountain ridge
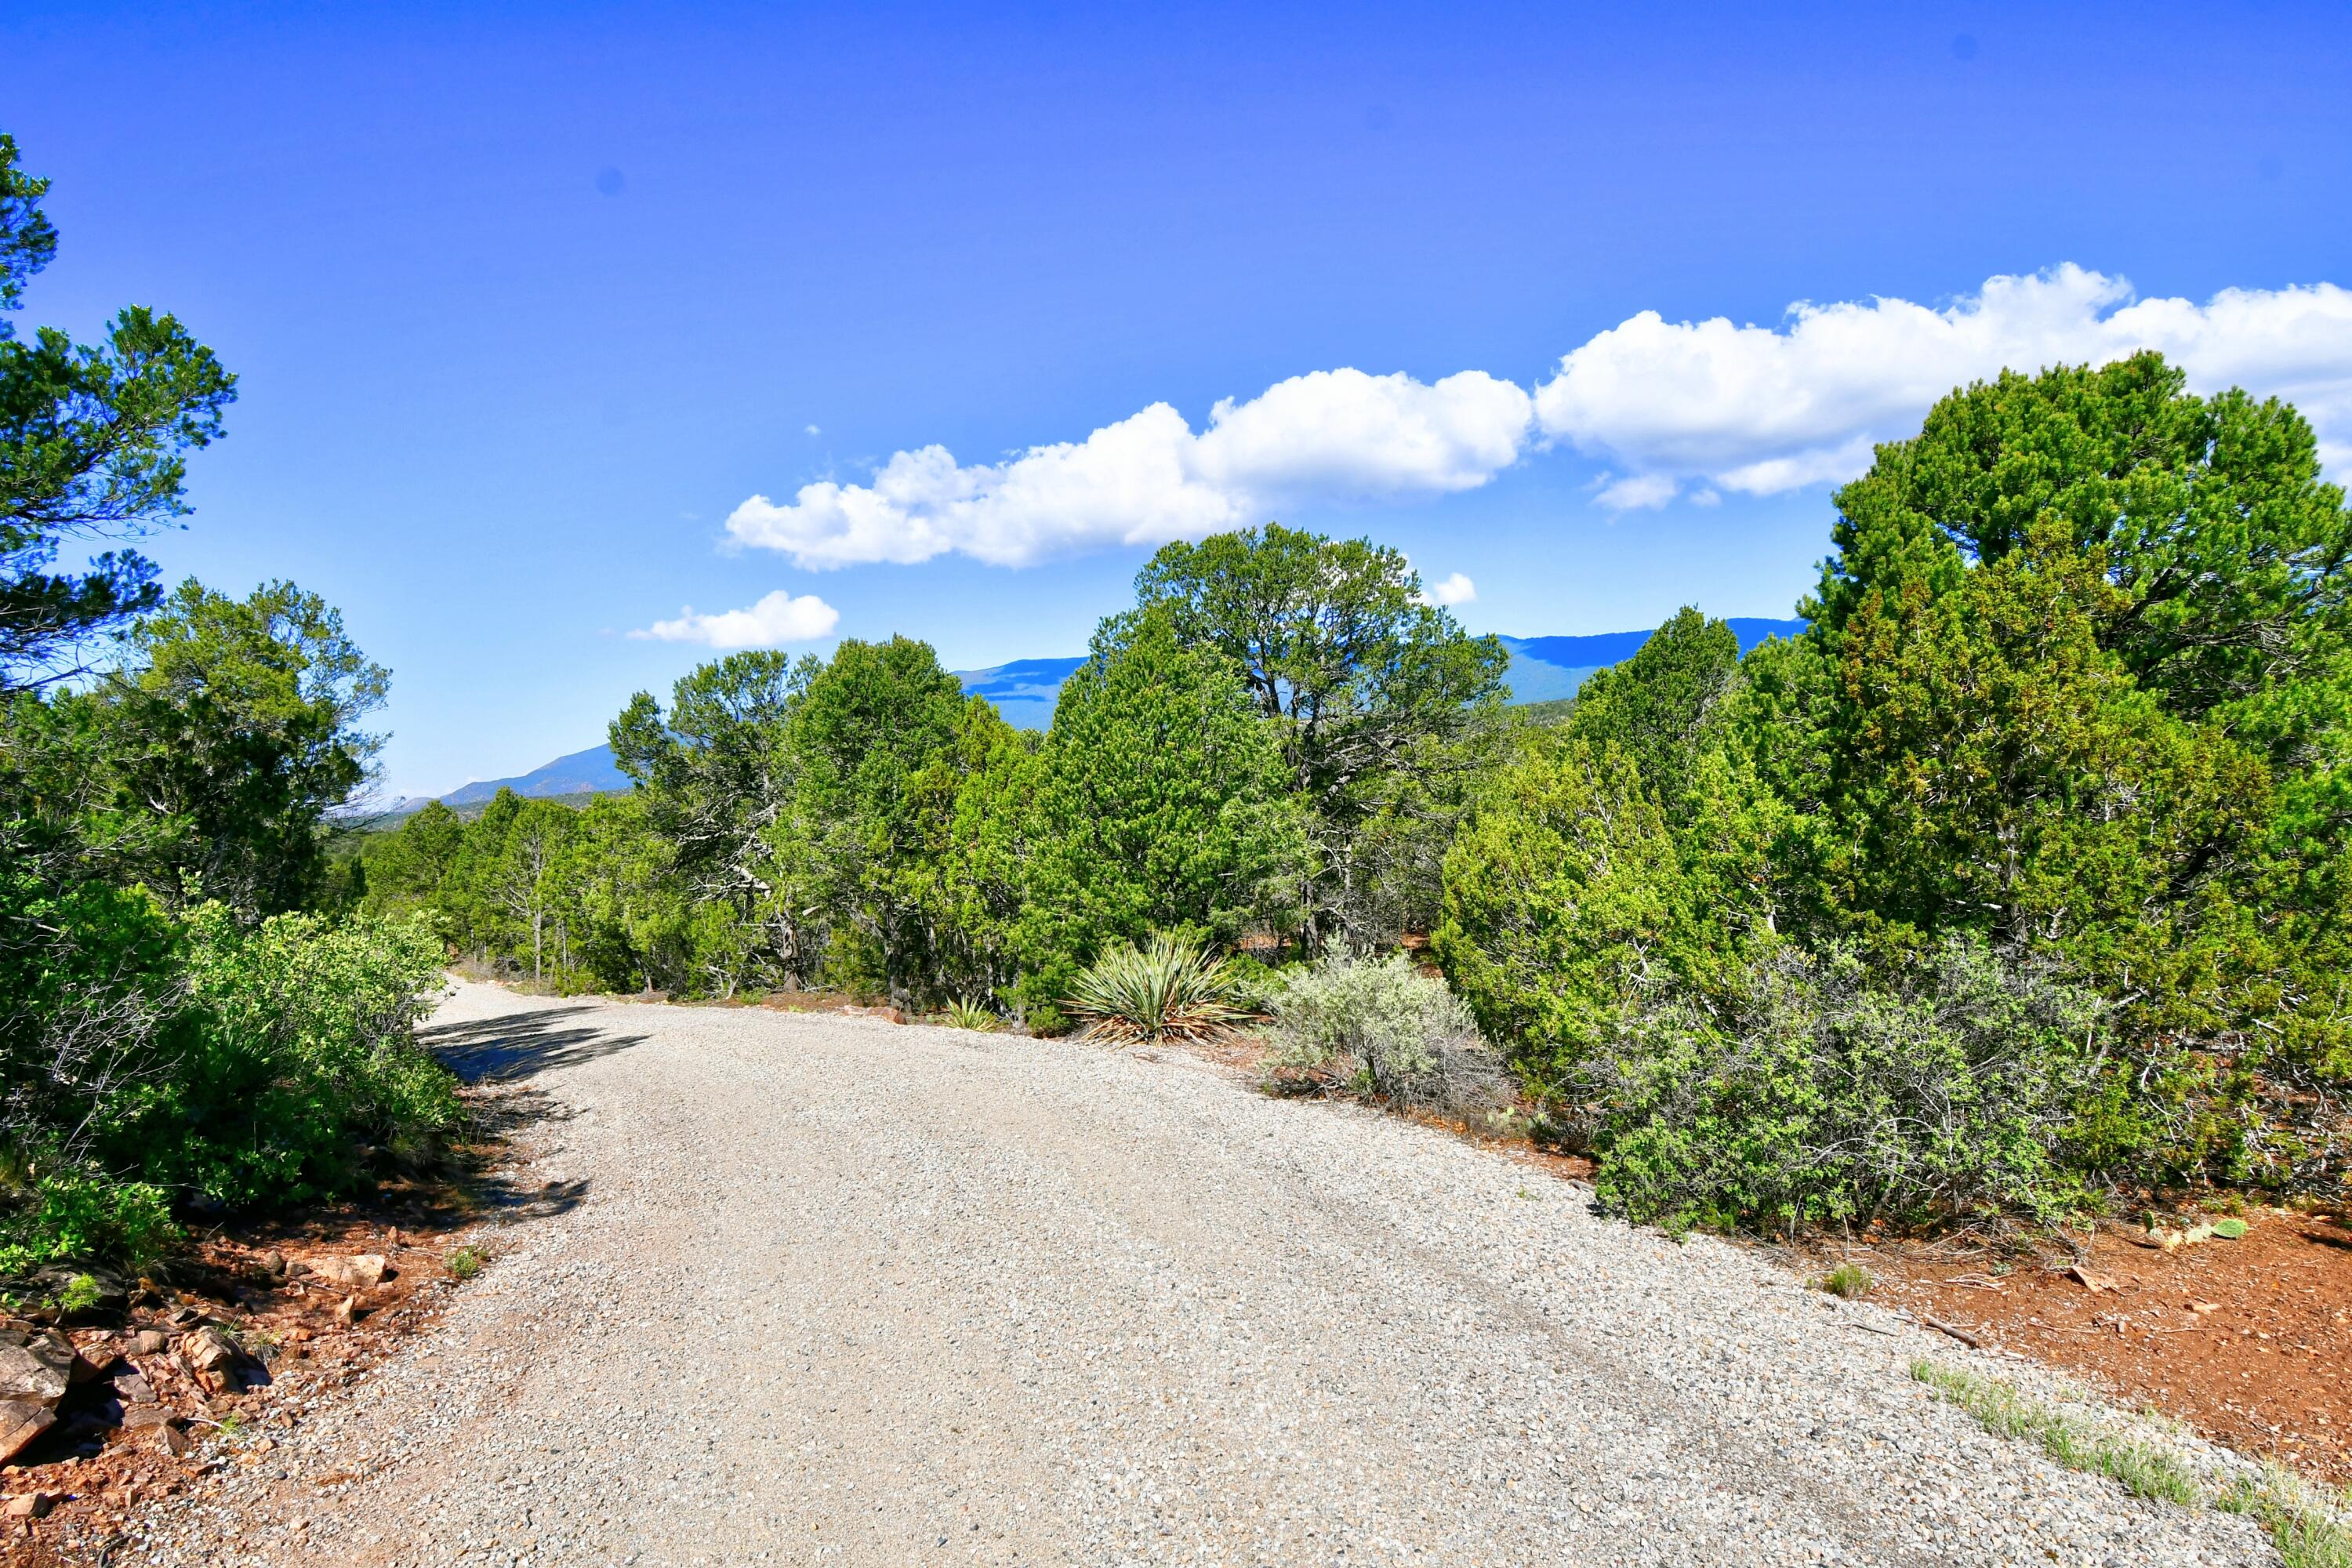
x,y
1543,670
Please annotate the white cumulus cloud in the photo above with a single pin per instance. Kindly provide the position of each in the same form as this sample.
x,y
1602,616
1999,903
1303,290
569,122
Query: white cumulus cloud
x,y
1150,478
1763,409
1693,408
776,619
1457,589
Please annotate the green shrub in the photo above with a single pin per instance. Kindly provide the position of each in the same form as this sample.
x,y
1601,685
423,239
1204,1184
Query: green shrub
x,y
1816,1095
1166,990
52,1215
1390,1031
295,1059
1563,896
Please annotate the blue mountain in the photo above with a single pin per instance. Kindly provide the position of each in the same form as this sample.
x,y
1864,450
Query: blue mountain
x,y
1542,671
581,773
1023,690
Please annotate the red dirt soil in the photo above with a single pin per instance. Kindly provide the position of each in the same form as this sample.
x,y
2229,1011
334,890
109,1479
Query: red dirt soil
x,y
2261,1368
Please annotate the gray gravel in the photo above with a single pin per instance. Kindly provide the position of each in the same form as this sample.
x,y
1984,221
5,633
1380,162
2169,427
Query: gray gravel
x,y
842,1291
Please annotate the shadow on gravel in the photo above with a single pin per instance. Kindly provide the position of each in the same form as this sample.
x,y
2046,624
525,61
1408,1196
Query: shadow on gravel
x,y
520,1044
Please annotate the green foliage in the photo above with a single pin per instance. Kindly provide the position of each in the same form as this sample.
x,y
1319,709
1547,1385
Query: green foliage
x,y
237,722
1167,989
1815,1092
167,1028
1564,896
1386,1029
1657,707
298,1058
2306,1520
1162,806
1382,705
57,1210
1847,1281
2027,863
962,1014
466,1262
92,446
870,722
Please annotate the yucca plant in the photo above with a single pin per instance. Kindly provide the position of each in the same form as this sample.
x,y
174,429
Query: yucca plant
x,y
1168,990
965,1013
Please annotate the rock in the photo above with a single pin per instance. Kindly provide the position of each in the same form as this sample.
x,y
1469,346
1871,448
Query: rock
x,y
35,1367
149,1341
138,1417
359,1271
93,1362
171,1441
2089,1279
272,1263
20,1422
31,1505
212,1357
133,1388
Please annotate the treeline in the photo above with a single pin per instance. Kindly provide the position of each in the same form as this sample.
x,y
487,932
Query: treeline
x,y
186,1015
1273,746
2019,875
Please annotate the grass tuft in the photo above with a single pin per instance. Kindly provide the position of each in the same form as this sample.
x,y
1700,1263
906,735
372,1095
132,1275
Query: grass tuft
x,y
2142,1471
2307,1531
1848,1281
466,1262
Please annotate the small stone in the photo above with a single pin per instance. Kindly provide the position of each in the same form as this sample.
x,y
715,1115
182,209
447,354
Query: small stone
x,y
272,1263
360,1271
133,1389
209,1349
149,1341
138,1417
171,1441
31,1505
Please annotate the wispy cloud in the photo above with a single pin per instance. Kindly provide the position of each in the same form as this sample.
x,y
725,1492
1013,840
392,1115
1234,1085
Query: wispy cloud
x,y
1457,589
1636,492
1707,405
777,619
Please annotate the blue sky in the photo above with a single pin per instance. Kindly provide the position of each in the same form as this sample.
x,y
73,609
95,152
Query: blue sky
x,y
528,303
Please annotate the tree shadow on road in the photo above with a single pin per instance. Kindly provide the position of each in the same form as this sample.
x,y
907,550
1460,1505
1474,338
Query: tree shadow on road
x,y
519,1044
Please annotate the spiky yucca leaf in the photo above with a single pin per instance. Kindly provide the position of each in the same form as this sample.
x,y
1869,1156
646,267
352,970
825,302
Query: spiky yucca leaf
x,y
1169,990
964,1014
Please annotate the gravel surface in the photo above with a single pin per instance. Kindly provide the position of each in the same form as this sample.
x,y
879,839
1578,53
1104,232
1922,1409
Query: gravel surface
x,y
835,1291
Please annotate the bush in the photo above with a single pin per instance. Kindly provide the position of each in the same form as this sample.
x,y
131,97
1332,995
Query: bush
x,y
1390,1031
1813,1096
1168,990
52,1215
296,1062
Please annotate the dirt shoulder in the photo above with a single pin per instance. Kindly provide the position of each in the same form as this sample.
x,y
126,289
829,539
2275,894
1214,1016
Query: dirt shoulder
x,y
2249,1340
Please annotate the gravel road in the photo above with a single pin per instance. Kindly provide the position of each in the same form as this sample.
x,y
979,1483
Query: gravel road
x,y
840,1291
